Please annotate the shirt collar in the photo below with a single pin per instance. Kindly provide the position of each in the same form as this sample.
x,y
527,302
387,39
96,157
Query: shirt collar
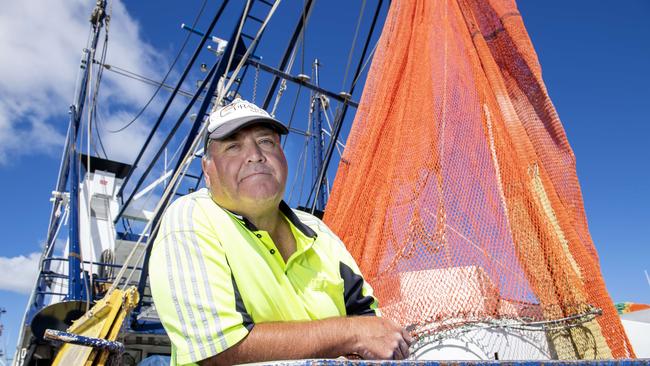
x,y
287,212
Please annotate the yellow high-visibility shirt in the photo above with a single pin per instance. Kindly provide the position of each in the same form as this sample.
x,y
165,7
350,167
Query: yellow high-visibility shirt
x,y
214,275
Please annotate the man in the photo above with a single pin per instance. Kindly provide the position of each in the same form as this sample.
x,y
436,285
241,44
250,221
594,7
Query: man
x,y
237,276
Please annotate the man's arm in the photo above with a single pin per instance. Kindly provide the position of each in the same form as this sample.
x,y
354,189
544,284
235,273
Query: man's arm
x,y
367,336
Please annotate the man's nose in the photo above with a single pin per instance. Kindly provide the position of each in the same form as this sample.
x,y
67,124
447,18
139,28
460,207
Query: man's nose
x,y
254,153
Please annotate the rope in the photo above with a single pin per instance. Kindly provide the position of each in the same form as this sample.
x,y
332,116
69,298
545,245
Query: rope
x,y
144,231
172,187
354,41
146,200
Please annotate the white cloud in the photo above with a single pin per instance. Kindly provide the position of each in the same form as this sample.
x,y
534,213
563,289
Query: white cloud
x,y
40,51
20,273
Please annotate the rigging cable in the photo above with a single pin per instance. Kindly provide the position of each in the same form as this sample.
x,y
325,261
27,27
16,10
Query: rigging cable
x,y
341,116
339,144
293,110
143,79
92,96
186,162
98,119
224,87
55,206
171,67
170,135
288,51
298,170
354,41
302,43
247,53
167,105
191,152
372,53
291,61
100,74
92,100
149,194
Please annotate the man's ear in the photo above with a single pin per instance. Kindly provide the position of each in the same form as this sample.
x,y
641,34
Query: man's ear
x,y
204,166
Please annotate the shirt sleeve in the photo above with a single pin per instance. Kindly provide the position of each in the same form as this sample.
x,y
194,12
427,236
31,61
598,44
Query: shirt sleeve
x,y
358,294
193,288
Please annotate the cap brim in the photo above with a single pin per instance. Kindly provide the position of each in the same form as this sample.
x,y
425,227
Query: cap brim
x,y
231,127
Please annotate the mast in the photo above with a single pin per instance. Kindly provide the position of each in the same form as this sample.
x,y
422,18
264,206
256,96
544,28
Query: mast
x,y
68,176
340,116
316,130
76,111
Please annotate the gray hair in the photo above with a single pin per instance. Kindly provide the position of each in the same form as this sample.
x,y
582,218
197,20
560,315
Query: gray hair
x,y
206,150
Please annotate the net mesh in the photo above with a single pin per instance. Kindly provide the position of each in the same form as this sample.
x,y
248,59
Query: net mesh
x,y
457,192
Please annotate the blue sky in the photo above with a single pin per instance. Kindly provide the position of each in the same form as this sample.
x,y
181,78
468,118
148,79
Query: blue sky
x,y
594,58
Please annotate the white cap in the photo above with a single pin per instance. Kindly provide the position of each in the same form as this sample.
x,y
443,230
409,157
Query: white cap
x,y
231,118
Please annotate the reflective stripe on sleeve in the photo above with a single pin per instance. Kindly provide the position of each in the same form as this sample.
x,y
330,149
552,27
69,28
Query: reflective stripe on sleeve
x,y
203,273
181,275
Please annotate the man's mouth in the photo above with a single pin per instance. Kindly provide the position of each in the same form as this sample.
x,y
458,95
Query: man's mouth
x,y
254,174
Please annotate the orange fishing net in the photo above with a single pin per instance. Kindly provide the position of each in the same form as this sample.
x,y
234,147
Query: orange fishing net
x,y
457,192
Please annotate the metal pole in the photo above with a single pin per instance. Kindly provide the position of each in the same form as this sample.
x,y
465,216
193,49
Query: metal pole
x,y
74,246
338,123
287,52
299,81
36,299
220,70
74,258
317,133
166,107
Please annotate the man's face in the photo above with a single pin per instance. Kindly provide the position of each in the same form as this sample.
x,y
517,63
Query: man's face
x,y
247,170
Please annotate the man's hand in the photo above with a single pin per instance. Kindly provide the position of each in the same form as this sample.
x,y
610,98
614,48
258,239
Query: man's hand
x,y
379,338
369,337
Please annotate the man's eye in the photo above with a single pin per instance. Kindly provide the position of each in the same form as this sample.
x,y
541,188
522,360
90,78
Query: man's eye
x,y
267,141
231,147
